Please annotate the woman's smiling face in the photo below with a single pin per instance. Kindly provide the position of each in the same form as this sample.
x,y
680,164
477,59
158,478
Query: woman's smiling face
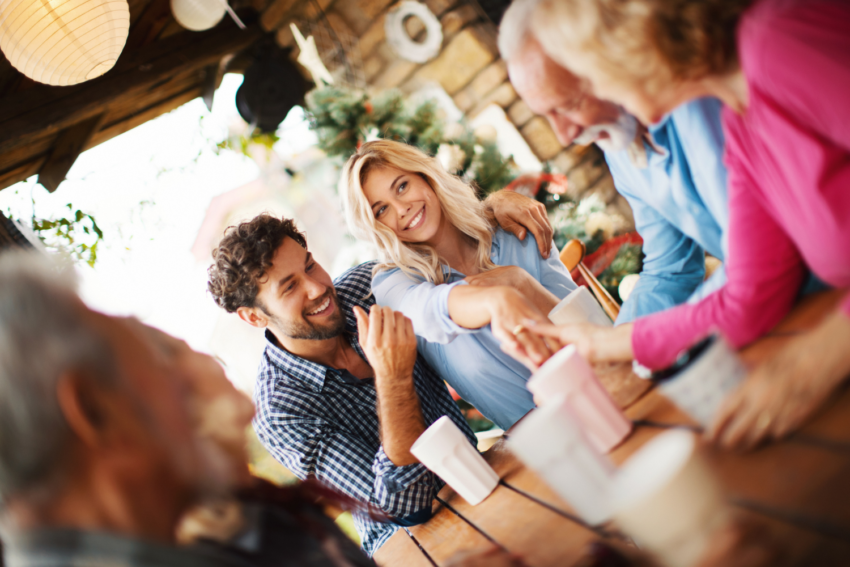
x,y
404,202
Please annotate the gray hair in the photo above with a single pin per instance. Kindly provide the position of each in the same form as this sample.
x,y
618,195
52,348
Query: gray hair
x,y
516,27
43,334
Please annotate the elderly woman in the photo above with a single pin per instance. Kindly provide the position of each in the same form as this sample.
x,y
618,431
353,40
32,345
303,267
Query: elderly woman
x,y
782,69
434,239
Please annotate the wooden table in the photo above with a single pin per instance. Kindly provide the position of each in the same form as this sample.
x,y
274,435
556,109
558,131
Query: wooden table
x,y
799,488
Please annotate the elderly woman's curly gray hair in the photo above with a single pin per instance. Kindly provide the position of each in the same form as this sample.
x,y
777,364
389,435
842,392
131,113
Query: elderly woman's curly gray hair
x,y
648,43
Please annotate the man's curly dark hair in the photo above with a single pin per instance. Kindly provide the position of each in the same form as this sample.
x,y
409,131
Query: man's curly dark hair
x,y
244,255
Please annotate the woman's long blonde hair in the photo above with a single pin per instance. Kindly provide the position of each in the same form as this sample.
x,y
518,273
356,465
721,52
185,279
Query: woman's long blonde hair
x,y
458,203
648,43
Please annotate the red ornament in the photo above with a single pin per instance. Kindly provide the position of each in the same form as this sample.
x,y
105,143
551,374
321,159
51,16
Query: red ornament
x,y
369,108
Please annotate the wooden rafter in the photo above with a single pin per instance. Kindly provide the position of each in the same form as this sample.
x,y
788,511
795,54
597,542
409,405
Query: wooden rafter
x,y
68,145
153,20
50,109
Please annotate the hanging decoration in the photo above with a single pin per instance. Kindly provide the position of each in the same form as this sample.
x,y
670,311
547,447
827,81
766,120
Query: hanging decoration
x,y
63,42
400,40
272,86
310,59
200,15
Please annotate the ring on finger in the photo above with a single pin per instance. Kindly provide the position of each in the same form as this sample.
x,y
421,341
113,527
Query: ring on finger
x,y
518,329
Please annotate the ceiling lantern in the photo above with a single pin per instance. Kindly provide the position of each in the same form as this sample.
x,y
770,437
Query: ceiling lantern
x,y
198,15
63,42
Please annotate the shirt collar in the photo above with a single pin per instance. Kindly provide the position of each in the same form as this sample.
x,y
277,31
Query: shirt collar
x,y
310,373
638,150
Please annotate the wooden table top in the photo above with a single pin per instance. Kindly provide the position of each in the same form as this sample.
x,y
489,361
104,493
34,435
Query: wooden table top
x,y
798,488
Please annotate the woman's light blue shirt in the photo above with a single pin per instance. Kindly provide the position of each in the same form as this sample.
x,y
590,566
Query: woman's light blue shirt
x,y
470,360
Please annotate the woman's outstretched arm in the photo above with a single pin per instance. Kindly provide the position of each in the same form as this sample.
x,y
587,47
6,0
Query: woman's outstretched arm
x,y
442,312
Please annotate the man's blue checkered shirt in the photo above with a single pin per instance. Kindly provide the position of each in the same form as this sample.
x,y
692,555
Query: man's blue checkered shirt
x,y
322,422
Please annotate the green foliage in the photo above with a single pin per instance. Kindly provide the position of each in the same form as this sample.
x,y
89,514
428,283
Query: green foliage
x,y
569,219
240,143
629,260
477,422
343,119
339,117
77,234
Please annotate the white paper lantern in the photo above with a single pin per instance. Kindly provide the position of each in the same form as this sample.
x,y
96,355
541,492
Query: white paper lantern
x,y
198,15
63,42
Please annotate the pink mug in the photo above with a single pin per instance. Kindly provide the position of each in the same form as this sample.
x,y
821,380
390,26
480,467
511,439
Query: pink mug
x,y
568,374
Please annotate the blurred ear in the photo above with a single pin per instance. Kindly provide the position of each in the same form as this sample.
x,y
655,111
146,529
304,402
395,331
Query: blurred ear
x,y
253,316
84,406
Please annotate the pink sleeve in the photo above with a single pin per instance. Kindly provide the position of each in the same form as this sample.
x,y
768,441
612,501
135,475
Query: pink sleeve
x,y
798,52
763,275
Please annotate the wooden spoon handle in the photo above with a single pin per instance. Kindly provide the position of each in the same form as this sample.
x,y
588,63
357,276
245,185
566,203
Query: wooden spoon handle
x,y
572,254
608,303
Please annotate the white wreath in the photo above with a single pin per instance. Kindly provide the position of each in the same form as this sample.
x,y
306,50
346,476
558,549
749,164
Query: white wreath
x,y
402,43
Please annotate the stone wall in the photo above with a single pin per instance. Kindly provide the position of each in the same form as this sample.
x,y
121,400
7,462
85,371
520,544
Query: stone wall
x,y
468,68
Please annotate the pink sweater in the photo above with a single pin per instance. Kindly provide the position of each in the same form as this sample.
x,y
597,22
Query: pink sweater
x,y
789,178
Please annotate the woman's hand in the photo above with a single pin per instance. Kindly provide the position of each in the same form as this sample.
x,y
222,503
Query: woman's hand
x,y
518,215
510,313
593,343
510,276
507,311
784,391
517,278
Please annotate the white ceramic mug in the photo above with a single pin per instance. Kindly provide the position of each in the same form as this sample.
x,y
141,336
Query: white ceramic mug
x,y
567,373
667,499
446,451
700,387
551,442
579,307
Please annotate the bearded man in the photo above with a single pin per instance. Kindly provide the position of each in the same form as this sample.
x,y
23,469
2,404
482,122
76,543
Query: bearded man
x,y
341,394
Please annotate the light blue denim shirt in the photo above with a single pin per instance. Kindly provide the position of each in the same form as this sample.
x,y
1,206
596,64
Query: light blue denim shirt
x,y
470,360
680,206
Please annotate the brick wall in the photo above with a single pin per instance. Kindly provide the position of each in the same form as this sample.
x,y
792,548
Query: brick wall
x,y
468,68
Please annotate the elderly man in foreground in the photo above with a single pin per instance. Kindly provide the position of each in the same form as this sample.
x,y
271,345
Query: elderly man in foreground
x,y
111,454
123,446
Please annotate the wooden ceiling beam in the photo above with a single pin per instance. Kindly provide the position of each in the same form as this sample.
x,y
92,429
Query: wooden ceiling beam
x,y
21,172
28,159
156,16
45,112
139,118
67,147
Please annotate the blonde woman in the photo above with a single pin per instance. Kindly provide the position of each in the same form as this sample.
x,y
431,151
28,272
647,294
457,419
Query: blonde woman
x,y
466,286
782,70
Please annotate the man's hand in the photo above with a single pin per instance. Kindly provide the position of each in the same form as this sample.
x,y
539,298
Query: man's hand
x,y
388,340
389,343
517,214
